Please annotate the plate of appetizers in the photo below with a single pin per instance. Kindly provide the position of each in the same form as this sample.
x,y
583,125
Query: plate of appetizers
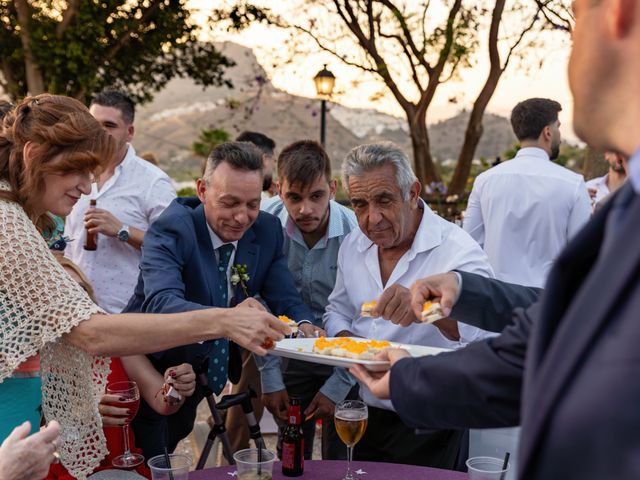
x,y
345,351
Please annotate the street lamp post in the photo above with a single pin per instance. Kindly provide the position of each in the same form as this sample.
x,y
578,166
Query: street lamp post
x,y
324,80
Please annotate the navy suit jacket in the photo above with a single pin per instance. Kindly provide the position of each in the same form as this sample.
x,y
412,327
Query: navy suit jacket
x,y
567,368
179,272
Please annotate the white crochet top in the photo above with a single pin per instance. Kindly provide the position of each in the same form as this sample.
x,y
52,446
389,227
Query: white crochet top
x,y
39,302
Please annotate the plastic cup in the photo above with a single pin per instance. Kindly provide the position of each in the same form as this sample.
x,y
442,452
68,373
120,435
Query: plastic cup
x,y
249,468
486,468
179,470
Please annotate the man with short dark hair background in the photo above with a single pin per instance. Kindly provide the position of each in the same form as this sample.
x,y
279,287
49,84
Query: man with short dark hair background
x,y
190,261
131,194
523,212
268,148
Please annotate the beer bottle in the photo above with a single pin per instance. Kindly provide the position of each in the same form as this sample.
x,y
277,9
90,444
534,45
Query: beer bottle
x,y
91,243
293,442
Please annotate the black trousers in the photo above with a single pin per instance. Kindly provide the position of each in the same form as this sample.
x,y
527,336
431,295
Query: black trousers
x,y
387,439
303,380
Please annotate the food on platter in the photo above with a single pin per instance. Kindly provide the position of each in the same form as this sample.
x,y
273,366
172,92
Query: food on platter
x,y
292,324
366,309
349,348
432,312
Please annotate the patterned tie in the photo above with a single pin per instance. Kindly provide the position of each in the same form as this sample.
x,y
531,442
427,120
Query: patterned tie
x,y
219,356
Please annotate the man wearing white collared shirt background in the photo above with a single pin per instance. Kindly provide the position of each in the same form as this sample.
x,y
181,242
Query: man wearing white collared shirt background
x,y
399,241
131,194
599,188
524,211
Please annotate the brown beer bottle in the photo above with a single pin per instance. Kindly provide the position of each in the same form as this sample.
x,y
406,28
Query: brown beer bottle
x,y
293,442
91,243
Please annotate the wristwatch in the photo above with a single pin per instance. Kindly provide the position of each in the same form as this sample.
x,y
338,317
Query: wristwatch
x,y
123,233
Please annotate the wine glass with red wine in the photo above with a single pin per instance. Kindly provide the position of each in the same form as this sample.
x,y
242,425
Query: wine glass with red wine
x,y
126,395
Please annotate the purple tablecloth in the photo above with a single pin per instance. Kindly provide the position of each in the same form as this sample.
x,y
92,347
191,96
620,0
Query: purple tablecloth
x,y
335,470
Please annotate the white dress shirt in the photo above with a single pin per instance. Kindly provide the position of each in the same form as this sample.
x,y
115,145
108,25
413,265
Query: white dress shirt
x,y
439,246
136,194
523,212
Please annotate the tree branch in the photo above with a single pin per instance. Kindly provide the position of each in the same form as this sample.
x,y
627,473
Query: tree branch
x,y
327,49
67,17
519,40
124,39
351,21
434,78
558,21
419,54
35,81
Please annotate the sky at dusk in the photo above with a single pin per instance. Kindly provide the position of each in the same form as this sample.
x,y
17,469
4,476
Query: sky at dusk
x,y
520,81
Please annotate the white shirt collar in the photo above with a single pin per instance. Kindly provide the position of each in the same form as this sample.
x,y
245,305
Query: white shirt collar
x,y
428,235
532,152
217,242
634,170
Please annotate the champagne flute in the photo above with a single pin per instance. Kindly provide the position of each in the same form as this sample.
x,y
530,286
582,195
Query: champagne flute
x,y
126,395
351,421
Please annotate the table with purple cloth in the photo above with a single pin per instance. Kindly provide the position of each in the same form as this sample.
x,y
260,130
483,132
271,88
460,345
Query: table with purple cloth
x,y
335,470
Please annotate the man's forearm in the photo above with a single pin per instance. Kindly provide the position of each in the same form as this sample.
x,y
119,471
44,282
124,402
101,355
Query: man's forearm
x,y
488,304
136,237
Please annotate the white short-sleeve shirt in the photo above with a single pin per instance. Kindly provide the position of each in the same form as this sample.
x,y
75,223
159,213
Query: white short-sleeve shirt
x,y
137,193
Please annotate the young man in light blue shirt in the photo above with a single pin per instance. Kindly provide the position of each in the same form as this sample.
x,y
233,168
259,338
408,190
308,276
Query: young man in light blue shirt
x,y
314,226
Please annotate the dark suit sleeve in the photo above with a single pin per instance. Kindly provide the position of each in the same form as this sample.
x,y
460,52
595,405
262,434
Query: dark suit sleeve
x,y
476,387
167,246
488,304
279,290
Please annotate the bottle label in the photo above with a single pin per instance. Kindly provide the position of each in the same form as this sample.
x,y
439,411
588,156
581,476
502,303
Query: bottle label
x,y
295,417
289,456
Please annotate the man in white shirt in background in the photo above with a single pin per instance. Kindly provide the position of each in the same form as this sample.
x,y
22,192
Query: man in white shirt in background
x,y
130,194
399,241
599,188
523,212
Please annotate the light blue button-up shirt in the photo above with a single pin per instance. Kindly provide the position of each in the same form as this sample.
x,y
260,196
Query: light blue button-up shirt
x,y
314,272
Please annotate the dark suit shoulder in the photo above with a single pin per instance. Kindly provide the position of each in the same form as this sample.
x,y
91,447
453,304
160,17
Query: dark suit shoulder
x,y
182,208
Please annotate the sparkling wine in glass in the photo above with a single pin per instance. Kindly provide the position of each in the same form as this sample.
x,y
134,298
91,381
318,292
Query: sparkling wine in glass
x,y
351,421
126,395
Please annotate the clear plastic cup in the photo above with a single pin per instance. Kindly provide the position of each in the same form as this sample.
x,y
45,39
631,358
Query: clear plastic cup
x,y
179,470
250,468
486,468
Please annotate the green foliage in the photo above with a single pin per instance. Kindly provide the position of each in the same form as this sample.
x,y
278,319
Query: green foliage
x,y
133,45
187,192
208,139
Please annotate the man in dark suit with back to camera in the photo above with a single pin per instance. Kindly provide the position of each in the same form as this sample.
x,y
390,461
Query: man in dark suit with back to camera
x,y
567,366
214,250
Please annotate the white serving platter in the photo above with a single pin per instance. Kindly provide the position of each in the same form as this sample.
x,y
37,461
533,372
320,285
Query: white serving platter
x,y
302,349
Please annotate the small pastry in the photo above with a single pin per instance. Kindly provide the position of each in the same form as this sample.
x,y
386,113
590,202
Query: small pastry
x,y
432,312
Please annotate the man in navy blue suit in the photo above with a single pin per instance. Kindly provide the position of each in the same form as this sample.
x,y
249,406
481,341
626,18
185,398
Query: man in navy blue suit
x,y
215,250
567,366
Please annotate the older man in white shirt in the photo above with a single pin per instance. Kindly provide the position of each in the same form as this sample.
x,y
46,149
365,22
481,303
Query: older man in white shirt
x,y
130,193
399,241
524,211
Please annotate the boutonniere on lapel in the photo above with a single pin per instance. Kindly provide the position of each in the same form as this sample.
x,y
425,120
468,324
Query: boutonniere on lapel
x,y
240,276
